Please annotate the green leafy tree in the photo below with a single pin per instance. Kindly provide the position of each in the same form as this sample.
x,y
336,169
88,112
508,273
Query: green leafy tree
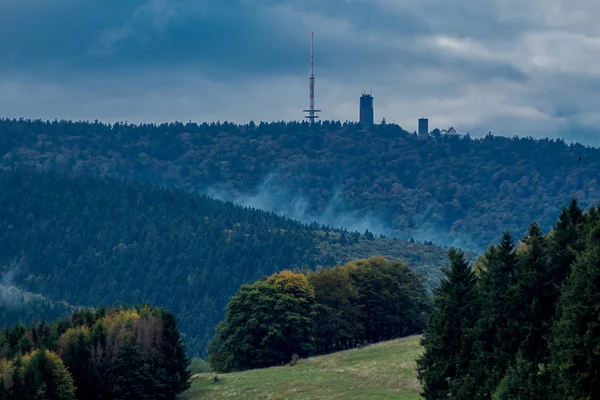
x,y
124,353
44,376
392,297
266,323
447,340
198,366
75,350
338,313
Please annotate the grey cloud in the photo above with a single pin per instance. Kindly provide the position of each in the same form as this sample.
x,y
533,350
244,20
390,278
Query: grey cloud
x,y
154,15
495,65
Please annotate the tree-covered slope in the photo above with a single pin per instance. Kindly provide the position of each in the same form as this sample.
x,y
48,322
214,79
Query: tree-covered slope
x,y
452,190
26,307
92,241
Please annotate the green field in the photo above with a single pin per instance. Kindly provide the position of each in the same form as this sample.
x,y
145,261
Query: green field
x,y
380,371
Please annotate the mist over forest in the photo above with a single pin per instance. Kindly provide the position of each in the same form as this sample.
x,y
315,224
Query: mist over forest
x,y
272,195
370,199
186,216
448,189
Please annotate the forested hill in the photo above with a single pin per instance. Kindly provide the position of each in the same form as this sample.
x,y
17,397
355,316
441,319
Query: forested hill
x,y
101,241
452,190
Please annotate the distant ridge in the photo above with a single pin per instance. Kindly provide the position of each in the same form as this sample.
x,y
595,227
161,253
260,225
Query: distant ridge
x,y
452,190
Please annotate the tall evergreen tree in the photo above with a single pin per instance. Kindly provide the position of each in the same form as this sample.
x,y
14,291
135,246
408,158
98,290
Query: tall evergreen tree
x,y
575,347
520,383
544,265
533,292
497,338
174,360
565,241
447,338
133,377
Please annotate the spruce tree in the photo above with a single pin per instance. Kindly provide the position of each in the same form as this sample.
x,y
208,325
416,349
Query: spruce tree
x,y
575,347
496,331
447,338
520,383
173,361
533,290
564,243
534,285
133,377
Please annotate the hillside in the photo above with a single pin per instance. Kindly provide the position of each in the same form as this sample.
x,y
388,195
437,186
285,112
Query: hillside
x,y
26,307
381,371
450,190
90,241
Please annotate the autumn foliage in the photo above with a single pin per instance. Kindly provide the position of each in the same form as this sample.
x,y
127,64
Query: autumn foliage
x,y
119,353
291,314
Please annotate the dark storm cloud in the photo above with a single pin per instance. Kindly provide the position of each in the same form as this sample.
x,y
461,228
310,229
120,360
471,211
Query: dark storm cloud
x,y
494,65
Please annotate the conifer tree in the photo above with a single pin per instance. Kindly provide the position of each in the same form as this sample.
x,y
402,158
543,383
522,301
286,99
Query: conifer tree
x,y
447,338
44,376
564,243
496,331
575,347
527,379
133,376
173,359
520,382
533,293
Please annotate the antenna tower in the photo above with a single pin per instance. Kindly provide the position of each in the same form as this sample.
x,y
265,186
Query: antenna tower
x,y
311,111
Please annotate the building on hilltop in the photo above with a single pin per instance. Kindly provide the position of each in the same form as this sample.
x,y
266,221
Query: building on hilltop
x,y
366,110
450,131
423,126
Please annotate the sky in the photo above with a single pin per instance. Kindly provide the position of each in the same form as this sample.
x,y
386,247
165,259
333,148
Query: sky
x,y
510,67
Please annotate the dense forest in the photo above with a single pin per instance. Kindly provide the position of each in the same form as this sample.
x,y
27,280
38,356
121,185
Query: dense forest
x,y
291,315
523,322
17,305
119,353
452,190
87,241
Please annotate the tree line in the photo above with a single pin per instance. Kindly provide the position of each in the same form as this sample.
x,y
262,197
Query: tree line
x,y
457,189
119,353
291,315
522,323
